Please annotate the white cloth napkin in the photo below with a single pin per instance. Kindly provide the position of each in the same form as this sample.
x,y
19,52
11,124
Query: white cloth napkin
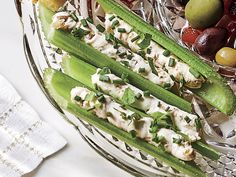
x,y
25,140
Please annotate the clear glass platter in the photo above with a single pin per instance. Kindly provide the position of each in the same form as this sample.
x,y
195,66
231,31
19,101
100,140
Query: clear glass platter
x,y
219,129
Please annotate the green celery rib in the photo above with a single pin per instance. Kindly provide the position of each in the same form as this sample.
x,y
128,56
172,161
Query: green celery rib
x,y
82,71
222,98
59,86
67,42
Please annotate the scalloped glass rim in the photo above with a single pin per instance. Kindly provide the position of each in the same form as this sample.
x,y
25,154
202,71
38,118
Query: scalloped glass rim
x,y
40,55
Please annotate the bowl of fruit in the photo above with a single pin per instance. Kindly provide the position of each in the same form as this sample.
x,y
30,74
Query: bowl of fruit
x,y
206,27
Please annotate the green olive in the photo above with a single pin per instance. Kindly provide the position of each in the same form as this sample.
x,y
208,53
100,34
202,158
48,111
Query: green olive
x,y
203,13
226,56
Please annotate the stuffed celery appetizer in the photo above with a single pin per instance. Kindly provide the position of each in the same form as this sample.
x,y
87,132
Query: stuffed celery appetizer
x,y
63,39
214,91
104,81
102,111
143,56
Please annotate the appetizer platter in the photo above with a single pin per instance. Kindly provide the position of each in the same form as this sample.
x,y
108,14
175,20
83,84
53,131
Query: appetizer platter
x,y
137,97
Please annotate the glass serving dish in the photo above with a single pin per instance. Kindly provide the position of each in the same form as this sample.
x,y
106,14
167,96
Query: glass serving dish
x,y
218,129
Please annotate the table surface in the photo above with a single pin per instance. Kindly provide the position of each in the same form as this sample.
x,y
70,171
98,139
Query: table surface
x,y
77,159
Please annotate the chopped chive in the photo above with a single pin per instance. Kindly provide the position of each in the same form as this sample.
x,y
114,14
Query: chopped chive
x,y
151,64
121,30
135,116
115,23
149,50
125,63
84,23
166,53
177,141
198,123
109,37
124,77
77,98
141,53
167,109
167,85
141,70
172,77
112,17
100,28
122,55
90,20
104,78
74,17
129,56
118,82
158,139
194,73
171,62
133,133
154,129
135,38
90,109
102,99
79,32
146,41
58,51
98,105
104,71
109,114
187,119
138,96
146,93
98,94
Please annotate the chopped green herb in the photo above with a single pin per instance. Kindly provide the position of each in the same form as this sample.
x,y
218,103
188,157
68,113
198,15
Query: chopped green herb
x,y
167,85
79,32
146,93
102,99
90,96
146,41
98,105
154,129
100,28
90,20
141,53
167,109
149,50
135,38
172,77
122,55
128,97
118,82
112,17
129,56
77,98
138,96
109,114
177,141
125,63
172,62
198,123
159,104
84,23
121,30
90,109
98,94
124,77
194,73
187,119
114,24
133,133
104,78
135,116
74,17
152,66
141,70
109,37
166,53
104,71
158,139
